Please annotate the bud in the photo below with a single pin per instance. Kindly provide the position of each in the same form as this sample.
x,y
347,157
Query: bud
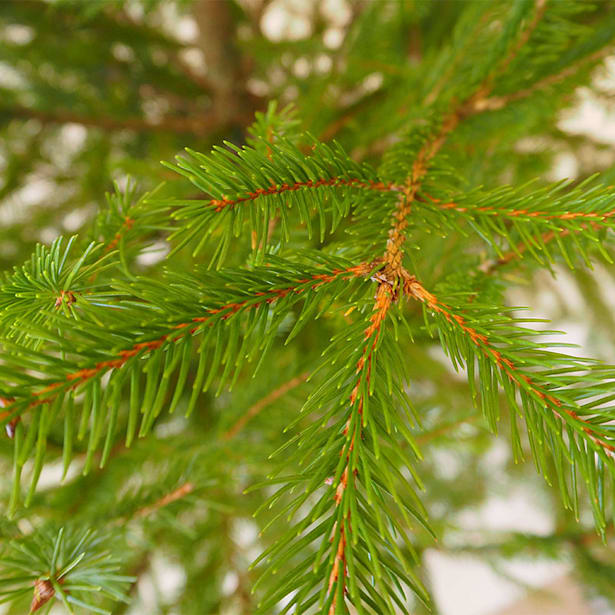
x,y
43,593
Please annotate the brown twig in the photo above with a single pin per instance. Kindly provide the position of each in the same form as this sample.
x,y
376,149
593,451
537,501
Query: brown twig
x,y
200,126
260,405
490,266
540,8
427,436
452,66
165,500
495,103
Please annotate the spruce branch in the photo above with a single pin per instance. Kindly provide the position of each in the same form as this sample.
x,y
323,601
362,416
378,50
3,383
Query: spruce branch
x,y
64,381
127,224
359,499
52,283
272,177
495,103
336,585
70,565
564,388
540,8
224,312
490,266
392,274
475,102
551,212
521,13
110,353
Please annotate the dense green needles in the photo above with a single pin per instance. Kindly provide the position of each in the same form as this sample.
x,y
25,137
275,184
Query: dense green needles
x,y
249,336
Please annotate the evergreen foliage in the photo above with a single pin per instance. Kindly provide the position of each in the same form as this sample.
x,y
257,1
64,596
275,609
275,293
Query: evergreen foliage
x,y
307,280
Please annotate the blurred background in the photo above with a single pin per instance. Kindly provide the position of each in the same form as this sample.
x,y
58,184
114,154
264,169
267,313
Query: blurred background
x,y
94,92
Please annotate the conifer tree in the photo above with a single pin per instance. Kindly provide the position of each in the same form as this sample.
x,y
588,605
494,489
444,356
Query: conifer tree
x,y
272,370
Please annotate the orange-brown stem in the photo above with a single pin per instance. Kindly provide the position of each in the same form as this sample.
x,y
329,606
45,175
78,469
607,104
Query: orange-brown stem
x,y
126,226
490,266
382,304
393,272
393,255
474,104
220,204
528,213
